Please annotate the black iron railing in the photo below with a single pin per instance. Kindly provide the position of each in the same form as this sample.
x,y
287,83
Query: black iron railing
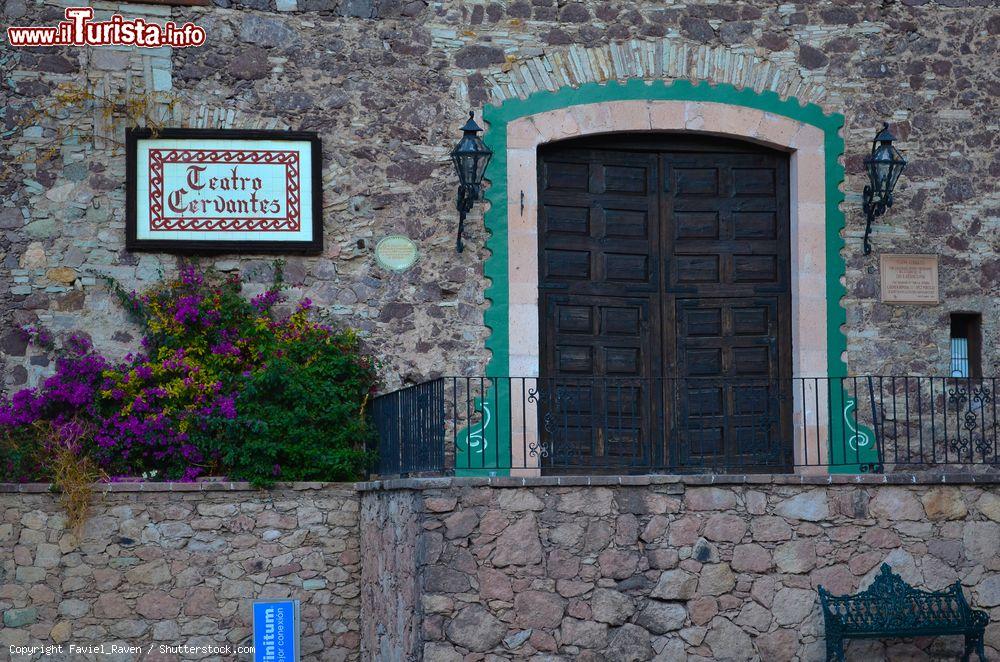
x,y
530,426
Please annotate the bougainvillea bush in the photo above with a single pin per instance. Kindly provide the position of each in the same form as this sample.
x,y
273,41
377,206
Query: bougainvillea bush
x,y
223,386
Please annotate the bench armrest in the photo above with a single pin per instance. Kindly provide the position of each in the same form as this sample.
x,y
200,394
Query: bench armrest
x,y
980,618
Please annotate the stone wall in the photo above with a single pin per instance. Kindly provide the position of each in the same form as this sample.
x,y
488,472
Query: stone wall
x,y
632,568
664,569
177,565
389,526
387,83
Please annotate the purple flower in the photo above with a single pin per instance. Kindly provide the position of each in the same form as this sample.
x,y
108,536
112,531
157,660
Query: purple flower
x,y
227,407
266,300
191,474
39,336
187,309
190,275
79,344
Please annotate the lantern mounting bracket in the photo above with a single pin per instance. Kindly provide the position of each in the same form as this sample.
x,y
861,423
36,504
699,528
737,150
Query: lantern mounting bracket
x,y
467,196
470,156
883,167
873,209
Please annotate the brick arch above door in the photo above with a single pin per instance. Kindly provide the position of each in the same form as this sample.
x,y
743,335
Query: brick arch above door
x,y
672,57
517,127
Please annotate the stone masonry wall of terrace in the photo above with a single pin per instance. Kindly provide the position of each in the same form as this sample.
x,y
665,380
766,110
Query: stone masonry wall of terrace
x,y
389,526
153,567
387,84
659,570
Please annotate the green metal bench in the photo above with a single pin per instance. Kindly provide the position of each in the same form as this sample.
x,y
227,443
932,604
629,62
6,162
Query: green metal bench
x,y
892,608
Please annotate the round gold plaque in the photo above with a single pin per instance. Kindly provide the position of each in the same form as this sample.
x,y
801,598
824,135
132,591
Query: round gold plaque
x,y
396,253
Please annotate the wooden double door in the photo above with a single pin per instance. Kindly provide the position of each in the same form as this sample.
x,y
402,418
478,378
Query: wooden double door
x,y
665,304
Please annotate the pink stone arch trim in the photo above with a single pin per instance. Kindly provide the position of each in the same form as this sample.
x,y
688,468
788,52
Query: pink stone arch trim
x,y
803,142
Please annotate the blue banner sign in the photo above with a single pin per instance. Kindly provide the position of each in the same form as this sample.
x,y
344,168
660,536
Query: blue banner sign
x,y
276,631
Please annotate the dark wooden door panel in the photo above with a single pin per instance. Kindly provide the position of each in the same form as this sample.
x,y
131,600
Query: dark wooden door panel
x,y
596,382
722,212
664,283
599,223
733,406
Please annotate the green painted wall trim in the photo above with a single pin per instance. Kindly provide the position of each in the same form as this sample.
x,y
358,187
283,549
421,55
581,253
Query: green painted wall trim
x,y
496,267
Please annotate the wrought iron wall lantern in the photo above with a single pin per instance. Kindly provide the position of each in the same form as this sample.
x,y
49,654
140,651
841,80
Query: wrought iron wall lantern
x,y
470,156
883,167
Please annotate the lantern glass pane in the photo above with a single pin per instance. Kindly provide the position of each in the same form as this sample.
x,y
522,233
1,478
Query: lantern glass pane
x,y
898,163
483,161
880,168
882,174
891,177
873,175
468,174
457,161
483,155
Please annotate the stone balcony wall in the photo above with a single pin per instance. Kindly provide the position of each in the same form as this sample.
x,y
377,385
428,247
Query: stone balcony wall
x,y
172,564
603,568
660,569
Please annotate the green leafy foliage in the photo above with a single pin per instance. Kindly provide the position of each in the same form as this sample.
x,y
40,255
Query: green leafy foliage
x,y
224,386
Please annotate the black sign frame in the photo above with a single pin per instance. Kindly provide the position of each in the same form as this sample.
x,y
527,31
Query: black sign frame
x,y
312,246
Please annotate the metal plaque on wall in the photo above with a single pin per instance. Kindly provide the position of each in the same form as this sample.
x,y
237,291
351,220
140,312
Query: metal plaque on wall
x,y
909,279
396,253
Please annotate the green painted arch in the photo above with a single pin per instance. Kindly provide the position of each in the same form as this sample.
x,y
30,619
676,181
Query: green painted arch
x,y
495,217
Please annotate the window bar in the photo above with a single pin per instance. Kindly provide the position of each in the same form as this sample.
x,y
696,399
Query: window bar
x,y
497,384
403,431
701,422
774,417
842,398
920,418
805,422
906,404
857,430
603,395
524,422
439,423
895,420
944,417
960,411
819,449
639,390
993,391
959,416
407,400
468,425
933,404
480,414
397,429
414,429
661,440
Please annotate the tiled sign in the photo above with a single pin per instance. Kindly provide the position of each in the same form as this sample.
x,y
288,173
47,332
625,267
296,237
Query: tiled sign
x,y
231,191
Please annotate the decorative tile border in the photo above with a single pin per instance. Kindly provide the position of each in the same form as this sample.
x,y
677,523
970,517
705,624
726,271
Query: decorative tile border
x,y
671,57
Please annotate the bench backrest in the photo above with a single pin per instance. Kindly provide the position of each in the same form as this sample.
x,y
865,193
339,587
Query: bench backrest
x,y
892,605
